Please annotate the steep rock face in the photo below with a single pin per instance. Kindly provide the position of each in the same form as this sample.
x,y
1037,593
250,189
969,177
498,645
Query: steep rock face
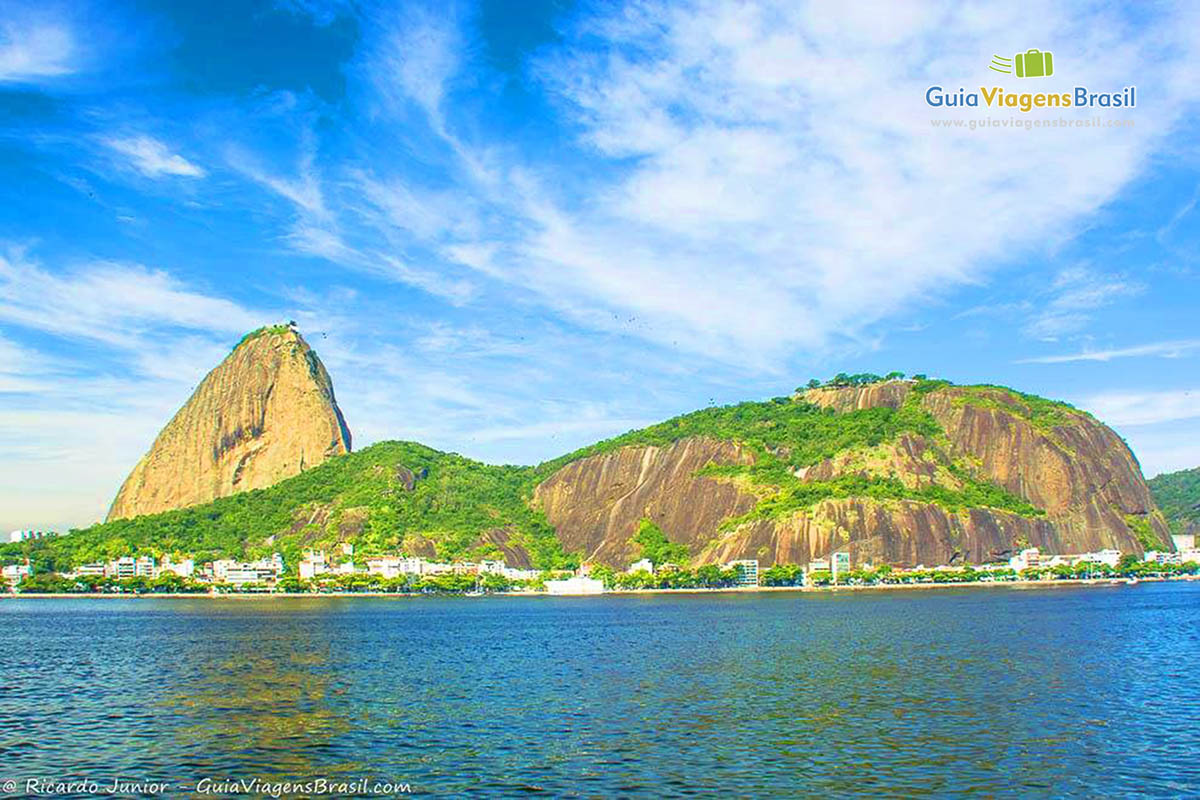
x,y
893,532
595,504
267,412
1062,461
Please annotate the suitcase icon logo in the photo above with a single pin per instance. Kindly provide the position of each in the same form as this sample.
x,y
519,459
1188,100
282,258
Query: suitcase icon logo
x,y
1032,63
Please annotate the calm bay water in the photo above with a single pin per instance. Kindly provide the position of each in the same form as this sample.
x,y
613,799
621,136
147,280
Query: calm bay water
x,y
1049,692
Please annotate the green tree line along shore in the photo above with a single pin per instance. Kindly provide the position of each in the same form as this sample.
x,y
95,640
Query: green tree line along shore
x,y
705,577
404,497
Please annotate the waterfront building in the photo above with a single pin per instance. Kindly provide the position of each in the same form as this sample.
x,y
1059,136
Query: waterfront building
x,y
123,567
747,571
26,535
395,566
412,565
265,570
386,566
1184,541
575,586
1027,559
1162,557
184,569
97,570
344,568
312,564
1189,554
15,573
512,573
645,565
840,564
818,565
144,567
1109,557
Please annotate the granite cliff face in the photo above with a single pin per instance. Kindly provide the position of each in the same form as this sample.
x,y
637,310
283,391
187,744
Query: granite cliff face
x,y
1048,476
266,413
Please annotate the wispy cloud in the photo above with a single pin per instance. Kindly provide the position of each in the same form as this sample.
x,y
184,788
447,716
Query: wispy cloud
x,y
1173,349
31,50
152,158
1072,299
109,302
1144,408
121,347
741,211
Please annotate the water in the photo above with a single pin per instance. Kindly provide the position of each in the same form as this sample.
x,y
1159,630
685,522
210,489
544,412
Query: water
x,y
1000,691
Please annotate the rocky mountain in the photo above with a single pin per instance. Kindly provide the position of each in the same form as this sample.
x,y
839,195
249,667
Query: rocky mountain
x,y
266,413
897,472
1178,495
894,471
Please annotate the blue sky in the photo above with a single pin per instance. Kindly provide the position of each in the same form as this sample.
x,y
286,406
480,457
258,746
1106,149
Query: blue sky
x,y
511,229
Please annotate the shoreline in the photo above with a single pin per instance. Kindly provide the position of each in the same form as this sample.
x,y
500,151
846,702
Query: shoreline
x,y
1019,584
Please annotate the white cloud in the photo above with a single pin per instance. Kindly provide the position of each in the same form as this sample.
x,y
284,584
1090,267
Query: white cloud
x,y
153,158
110,302
414,58
1144,408
79,414
763,178
1172,349
1071,300
32,50
303,190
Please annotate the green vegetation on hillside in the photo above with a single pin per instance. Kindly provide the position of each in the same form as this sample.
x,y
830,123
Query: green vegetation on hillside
x,y
786,435
360,497
402,497
798,433
265,330
1178,496
1043,414
842,380
656,547
1143,531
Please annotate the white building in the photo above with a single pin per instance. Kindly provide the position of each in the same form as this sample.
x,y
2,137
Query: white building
x,y
575,586
313,563
24,536
1189,554
841,564
96,570
1026,559
344,568
818,565
501,568
388,567
1109,557
1184,541
1163,557
123,567
184,569
15,573
265,570
747,571
645,565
